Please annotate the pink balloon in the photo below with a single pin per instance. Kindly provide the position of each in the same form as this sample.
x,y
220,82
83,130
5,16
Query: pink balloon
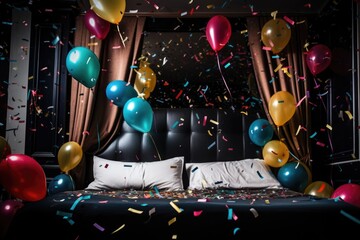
x,y
318,58
218,32
8,209
96,25
23,177
349,192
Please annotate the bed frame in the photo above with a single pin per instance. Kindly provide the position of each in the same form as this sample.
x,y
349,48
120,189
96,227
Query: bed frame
x,y
200,135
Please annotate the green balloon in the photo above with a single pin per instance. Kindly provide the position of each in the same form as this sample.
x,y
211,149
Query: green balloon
x,y
83,65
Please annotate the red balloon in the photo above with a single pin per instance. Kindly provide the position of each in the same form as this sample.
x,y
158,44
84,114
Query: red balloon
x,y
318,58
218,32
23,177
8,209
96,25
349,192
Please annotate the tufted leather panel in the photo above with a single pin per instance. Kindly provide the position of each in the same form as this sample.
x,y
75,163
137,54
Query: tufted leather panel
x,y
198,134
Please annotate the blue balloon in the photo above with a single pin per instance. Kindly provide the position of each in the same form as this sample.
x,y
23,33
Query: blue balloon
x,y
61,183
260,132
118,92
294,176
83,65
138,114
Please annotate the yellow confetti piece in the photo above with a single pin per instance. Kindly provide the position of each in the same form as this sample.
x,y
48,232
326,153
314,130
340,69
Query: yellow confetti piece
x,y
298,130
121,227
209,133
243,31
92,44
171,221
135,211
214,122
329,127
245,113
349,114
278,67
267,201
174,237
175,207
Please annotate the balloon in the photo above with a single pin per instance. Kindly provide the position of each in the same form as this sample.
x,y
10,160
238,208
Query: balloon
x,y
145,80
308,173
138,114
260,132
109,10
96,25
319,189
348,192
83,65
318,58
275,153
69,156
282,107
61,183
119,92
293,176
8,209
23,177
218,32
275,34
4,148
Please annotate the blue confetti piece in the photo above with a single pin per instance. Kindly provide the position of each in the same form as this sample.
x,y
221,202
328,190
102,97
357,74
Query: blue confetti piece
x,y
227,65
211,145
352,218
259,174
193,170
230,213
236,230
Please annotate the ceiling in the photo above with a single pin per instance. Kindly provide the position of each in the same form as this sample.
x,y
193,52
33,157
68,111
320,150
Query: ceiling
x,y
194,8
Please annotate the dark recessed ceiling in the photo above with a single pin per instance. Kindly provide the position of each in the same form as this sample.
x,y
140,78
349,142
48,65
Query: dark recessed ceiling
x,y
192,8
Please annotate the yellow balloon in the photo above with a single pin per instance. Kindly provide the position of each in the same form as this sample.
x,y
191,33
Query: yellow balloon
x,y
145,80
319,189
109,10
69,156
275,34
282,107
275,153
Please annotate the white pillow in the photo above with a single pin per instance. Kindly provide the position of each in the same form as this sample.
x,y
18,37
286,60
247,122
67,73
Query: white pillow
x,y
247,173
112,175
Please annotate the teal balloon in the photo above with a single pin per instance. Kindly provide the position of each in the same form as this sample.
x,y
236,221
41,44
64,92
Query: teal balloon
x,y
260,132
119,92
61,183
293,176
83,65
138,114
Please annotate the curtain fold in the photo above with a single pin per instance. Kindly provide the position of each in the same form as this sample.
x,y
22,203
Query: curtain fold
x,y
291,77
94,120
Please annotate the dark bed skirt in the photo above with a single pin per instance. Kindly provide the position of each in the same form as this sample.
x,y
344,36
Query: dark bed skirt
x,y
218,214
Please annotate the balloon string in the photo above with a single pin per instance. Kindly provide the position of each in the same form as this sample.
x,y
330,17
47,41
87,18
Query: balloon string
x,y
122,39
218,62
157,151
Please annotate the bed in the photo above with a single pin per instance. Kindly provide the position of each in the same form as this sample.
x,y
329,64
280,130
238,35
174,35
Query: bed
x,y
175,182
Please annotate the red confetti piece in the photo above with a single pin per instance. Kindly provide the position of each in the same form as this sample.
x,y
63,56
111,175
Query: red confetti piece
x,y
197,213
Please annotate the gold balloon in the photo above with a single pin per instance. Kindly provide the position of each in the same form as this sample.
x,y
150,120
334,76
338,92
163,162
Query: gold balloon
x,y
69,156
145,80
319,189
282,107
109,10
275,34
275,153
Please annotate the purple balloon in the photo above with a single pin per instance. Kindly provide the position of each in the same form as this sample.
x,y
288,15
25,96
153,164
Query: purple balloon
x,y
318,58
349,192
96,25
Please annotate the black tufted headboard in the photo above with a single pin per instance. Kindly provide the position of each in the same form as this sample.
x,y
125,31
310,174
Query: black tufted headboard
x,y
198,134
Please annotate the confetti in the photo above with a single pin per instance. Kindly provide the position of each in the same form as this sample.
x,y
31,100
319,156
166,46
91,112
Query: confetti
x,y
98,227
176,207
135,211
118,229
171,221
197,213
253,210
